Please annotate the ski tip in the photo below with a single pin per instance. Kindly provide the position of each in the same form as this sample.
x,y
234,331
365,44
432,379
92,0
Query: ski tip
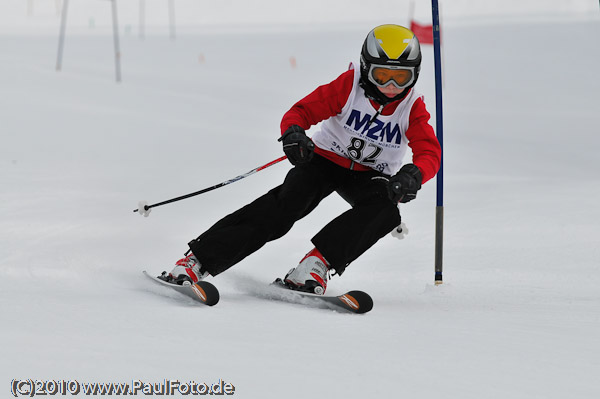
x,y
202,291
208,291
357,301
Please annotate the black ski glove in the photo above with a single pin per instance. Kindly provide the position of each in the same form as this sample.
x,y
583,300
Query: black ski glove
x,y
298,147
403,186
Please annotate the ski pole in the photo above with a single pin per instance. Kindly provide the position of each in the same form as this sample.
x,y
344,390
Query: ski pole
x,y
144,208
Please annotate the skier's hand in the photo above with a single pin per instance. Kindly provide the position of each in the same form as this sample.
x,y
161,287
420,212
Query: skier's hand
x,y
298,147
403,186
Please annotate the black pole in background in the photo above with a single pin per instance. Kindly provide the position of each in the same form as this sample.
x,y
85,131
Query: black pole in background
x,y
61,37
116,42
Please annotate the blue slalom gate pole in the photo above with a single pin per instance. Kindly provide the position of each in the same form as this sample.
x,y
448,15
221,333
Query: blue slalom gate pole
x,y
439,210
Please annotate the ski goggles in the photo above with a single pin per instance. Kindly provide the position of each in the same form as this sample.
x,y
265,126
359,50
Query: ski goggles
x,y
399,76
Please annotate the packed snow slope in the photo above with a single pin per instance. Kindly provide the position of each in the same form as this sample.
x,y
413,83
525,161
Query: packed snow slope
x,y
518,315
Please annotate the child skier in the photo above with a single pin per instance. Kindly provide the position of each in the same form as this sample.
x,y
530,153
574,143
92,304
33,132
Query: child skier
x,y
370,115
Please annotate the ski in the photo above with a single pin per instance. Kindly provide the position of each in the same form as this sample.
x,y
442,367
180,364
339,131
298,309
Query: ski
x,y
202,291
355,301
352,301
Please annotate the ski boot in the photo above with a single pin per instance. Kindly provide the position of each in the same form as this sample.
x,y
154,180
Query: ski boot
x,y
310,275
186,272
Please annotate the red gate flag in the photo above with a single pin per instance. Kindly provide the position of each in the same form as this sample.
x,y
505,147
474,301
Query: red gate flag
x,y
423,32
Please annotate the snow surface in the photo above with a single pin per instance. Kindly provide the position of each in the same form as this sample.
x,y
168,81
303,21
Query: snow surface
x,y
517,317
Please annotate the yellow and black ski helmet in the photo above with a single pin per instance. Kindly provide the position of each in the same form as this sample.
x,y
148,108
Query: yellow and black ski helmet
x,y
390,54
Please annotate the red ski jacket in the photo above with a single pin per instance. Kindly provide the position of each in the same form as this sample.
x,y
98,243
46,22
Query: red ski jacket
x,y
328,100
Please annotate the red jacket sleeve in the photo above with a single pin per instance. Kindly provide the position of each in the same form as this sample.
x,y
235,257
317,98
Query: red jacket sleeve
x,y
427,153
323,103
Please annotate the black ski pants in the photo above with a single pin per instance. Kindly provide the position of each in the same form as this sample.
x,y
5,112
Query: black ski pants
x,y
271,216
